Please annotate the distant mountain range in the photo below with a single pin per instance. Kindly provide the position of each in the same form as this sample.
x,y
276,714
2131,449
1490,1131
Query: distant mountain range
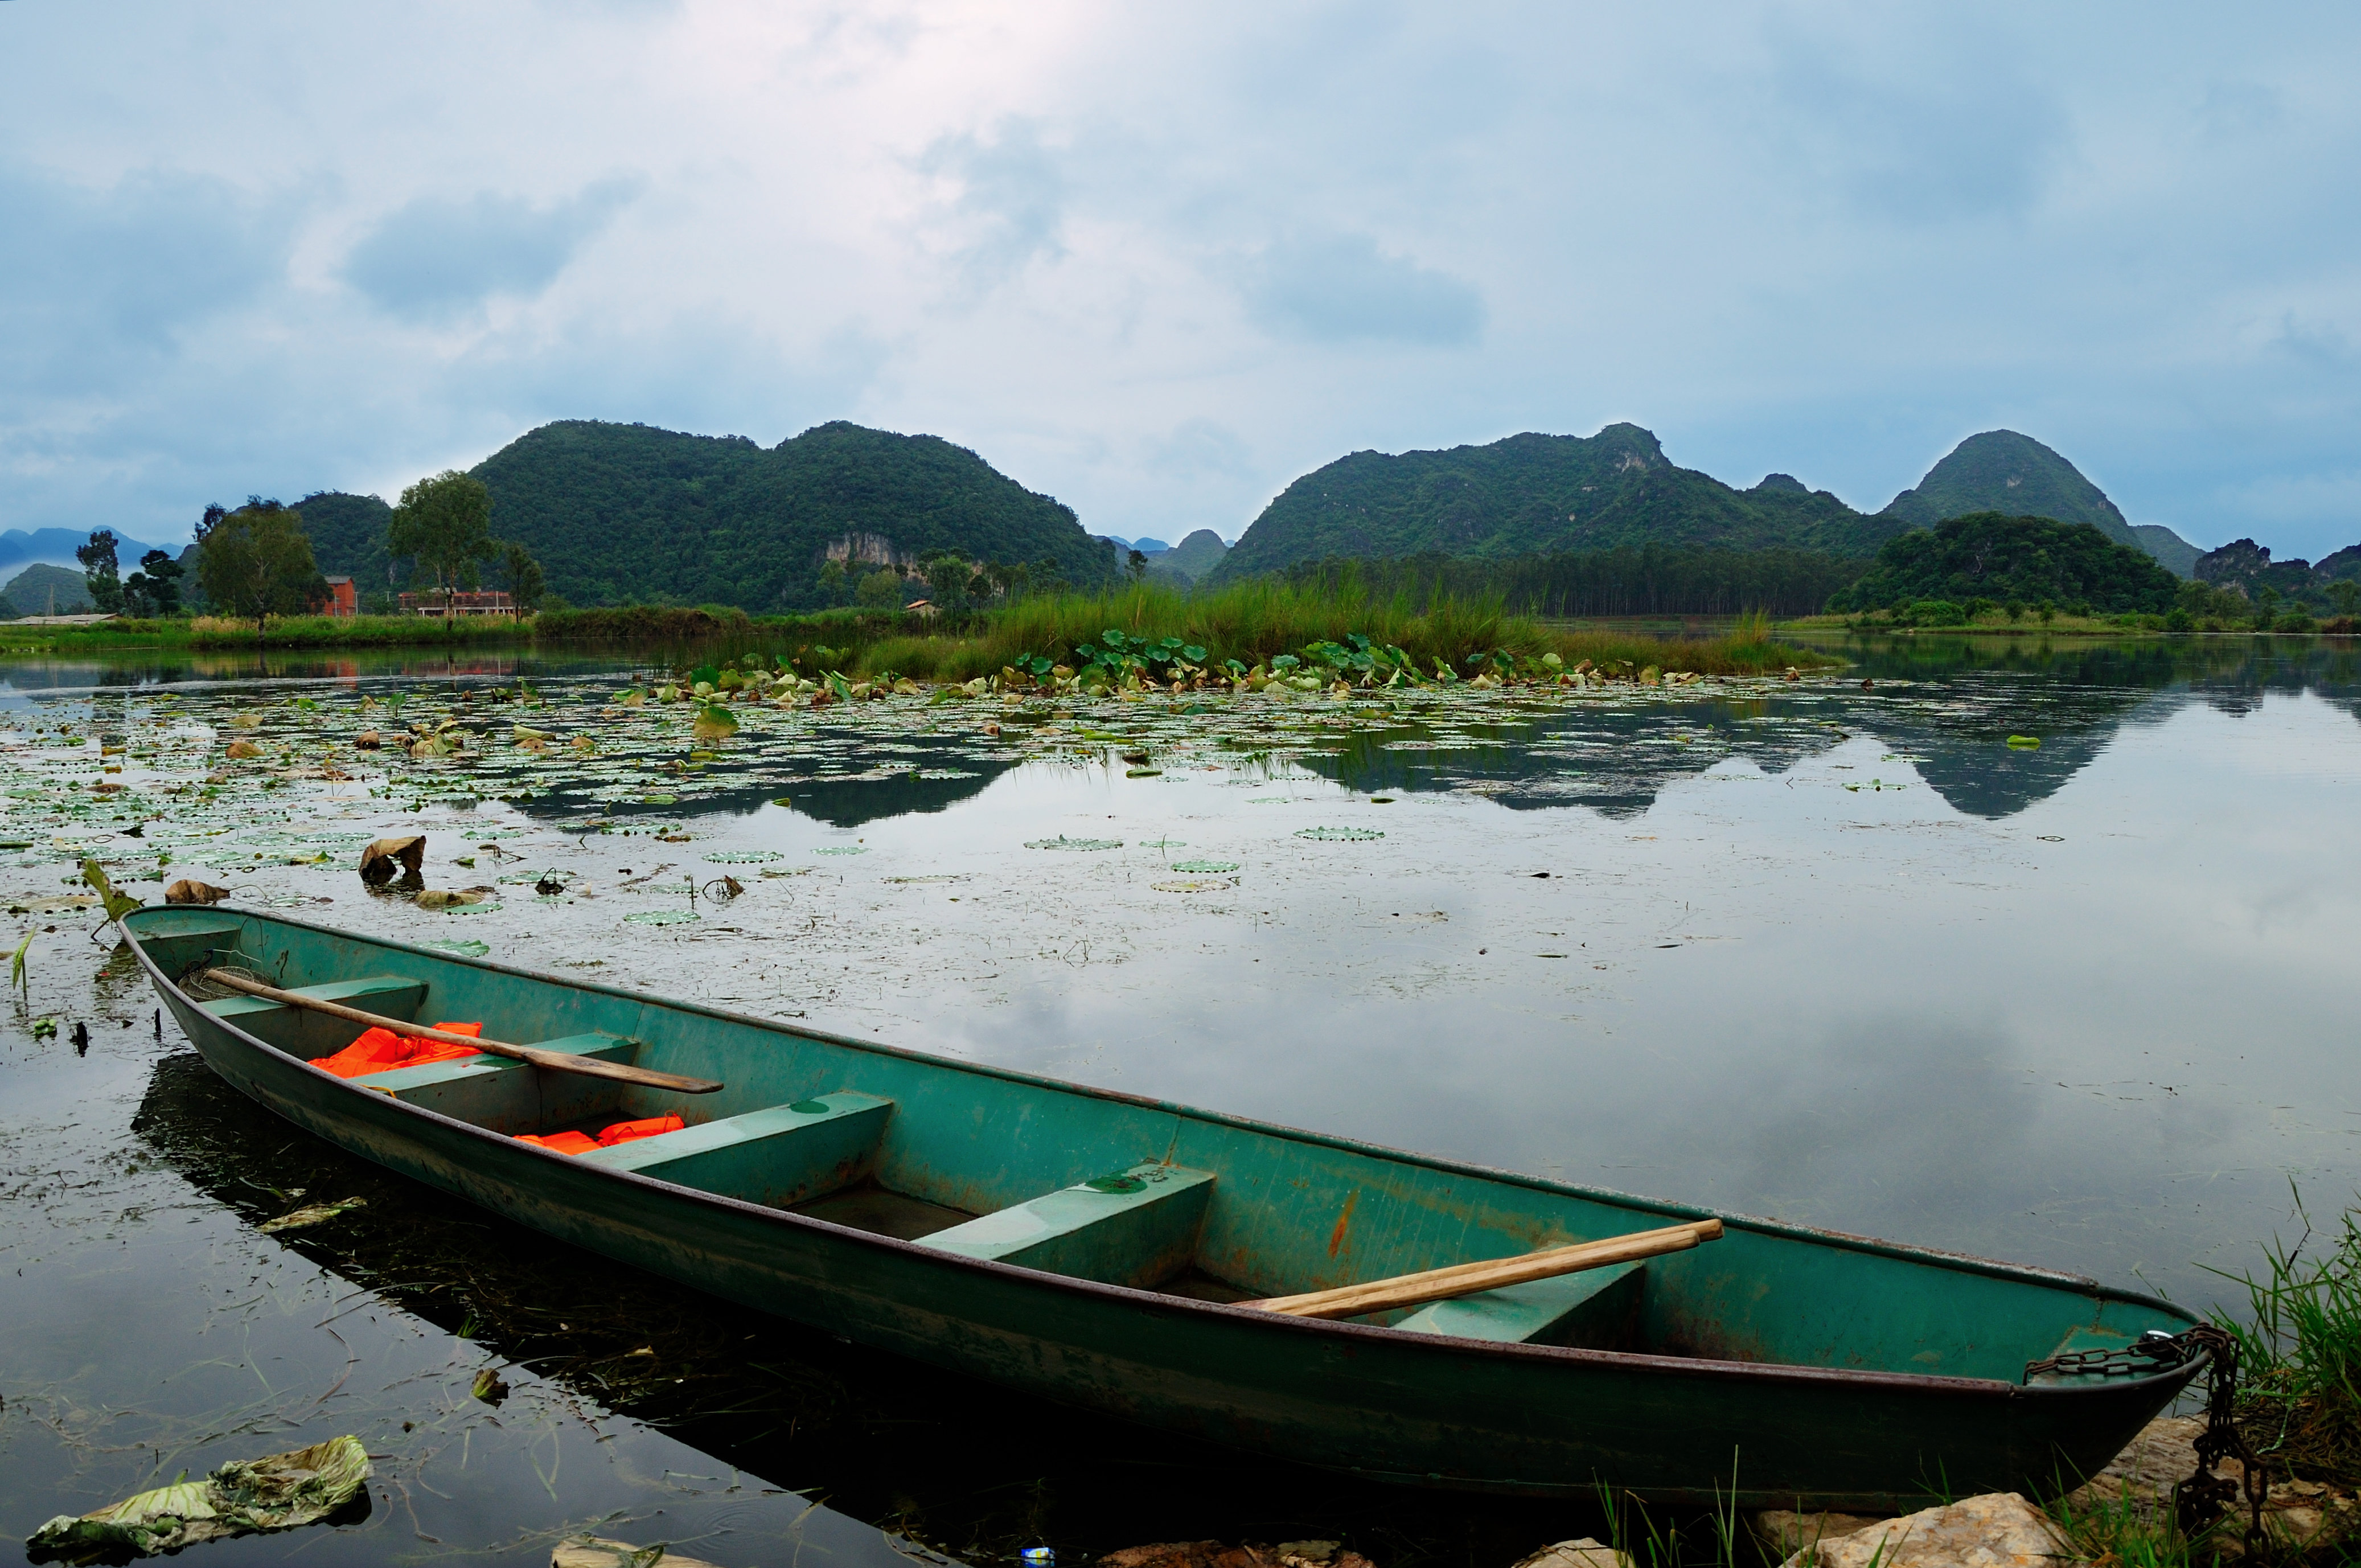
x,y
56,546
624,513
1543,493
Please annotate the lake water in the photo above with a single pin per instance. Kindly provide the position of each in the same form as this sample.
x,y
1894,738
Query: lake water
x,y
1836,954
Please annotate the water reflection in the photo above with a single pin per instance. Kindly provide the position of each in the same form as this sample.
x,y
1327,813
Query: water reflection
x,y
1948,707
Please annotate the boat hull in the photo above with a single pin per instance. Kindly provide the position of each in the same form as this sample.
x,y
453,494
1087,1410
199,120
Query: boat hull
x,y
1422,1409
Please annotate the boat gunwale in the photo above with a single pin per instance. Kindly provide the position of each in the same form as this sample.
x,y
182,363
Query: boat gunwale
x,y
1772,1372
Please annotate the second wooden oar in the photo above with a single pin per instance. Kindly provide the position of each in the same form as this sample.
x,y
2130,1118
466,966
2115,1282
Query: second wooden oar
x,y
555,1062
1466,1279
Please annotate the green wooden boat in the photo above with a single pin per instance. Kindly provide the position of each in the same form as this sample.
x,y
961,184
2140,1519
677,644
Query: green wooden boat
x,y
1090,1246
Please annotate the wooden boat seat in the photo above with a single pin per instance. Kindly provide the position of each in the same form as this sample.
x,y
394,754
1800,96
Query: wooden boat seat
x,y
1134,1228
778,1156
1595,1309
306,1034
505,1096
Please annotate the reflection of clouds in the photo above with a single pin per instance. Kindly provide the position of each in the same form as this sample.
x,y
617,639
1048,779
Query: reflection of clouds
x,y
1906,1112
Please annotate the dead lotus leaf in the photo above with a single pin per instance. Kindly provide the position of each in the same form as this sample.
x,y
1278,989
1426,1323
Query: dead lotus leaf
x,y
595,1552
385,856
244,749
367,741
190,891
443,898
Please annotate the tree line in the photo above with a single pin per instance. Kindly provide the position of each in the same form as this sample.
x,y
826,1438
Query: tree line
x,y
256,561
1647,579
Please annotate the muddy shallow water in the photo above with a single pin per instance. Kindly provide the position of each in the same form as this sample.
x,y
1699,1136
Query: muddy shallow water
x,y
1842,956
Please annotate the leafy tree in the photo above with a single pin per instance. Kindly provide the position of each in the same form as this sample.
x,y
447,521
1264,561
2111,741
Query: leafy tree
x,y
947,579
99,570
521,574
1987,556
881,589
1136,565
155,588
831,581
445,524
2346,597
257,561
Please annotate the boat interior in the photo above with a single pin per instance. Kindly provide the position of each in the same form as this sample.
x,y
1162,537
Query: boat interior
x,y
1049,1177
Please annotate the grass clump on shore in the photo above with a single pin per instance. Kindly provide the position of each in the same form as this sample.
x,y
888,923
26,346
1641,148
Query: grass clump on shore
x,y
345,632
2300,1357
1253,624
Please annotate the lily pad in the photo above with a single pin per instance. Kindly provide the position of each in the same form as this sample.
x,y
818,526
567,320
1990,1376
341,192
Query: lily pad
x,y
1194,884
662,917
843,850
466,947
743,857
1351,835
1207,868
2024,743
1062,842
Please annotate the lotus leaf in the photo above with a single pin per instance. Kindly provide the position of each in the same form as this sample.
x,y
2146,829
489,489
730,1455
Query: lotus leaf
x,y
277,1492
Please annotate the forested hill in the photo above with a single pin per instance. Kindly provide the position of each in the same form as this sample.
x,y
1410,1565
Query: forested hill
x,y
347,535
1539,494
625,513
2001,471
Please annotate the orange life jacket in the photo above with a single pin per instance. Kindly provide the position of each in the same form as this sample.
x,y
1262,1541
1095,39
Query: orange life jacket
x,y
379,1049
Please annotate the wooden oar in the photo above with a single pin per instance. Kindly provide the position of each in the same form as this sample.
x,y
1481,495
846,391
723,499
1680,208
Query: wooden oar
x,y
555,1062
1466,1279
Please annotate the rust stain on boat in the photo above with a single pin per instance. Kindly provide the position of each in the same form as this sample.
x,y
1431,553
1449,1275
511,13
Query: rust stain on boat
x,y
1336,1236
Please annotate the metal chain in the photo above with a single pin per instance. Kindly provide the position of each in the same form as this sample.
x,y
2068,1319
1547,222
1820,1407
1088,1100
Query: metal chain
x,y
2204,1496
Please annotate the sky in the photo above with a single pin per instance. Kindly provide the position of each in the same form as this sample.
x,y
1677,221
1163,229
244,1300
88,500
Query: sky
x,y
1158,261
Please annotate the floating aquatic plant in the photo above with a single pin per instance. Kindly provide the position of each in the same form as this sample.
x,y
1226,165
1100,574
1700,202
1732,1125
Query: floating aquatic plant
x,y
661,918
743,857
1062,842
1208,868
1339,834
